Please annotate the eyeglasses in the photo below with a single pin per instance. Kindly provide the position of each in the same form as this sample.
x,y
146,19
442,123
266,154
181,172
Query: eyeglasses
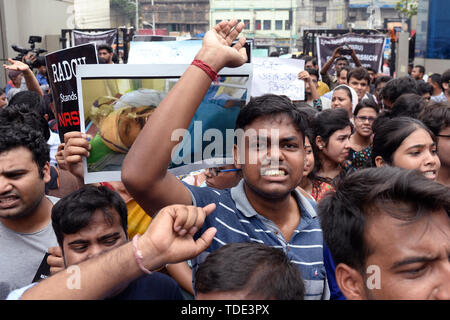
x,y
443,135
215,171
364,119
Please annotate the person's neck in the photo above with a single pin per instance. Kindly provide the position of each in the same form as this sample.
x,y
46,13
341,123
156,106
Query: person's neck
x,y
329,168
277,210
437,92
306,184
444,176
308,97
33,222
359,142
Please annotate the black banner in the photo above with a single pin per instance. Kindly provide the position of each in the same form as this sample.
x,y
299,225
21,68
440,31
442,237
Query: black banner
x,y
61,67
99,38
368,49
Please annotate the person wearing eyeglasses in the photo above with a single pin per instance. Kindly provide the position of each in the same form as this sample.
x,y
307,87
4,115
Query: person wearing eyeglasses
x,y
223,177
360,153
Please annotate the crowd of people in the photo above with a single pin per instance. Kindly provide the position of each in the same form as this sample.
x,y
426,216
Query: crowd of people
x,y
349,200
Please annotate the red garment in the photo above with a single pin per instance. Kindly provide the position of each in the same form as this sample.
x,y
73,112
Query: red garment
x,y
320,189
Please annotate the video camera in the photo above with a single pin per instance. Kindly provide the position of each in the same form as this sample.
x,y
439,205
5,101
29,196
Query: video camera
x,y
24,51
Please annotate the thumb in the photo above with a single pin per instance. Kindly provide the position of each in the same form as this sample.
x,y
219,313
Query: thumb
x,y
209,208
205,240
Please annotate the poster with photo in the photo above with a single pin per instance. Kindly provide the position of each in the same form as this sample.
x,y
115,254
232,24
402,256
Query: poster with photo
x,y
117,100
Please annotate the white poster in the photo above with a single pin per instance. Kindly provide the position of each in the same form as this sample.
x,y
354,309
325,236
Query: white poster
x,y
163,52
278,76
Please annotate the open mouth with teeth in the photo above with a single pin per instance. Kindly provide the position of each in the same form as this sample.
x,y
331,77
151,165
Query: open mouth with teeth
x,y
6,202
430,174
273,172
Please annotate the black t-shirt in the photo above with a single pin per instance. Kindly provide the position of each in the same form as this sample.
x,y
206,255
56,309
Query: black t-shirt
x,y
155,286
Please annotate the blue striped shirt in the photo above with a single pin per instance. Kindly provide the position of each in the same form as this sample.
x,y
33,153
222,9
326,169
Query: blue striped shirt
x,y
237,221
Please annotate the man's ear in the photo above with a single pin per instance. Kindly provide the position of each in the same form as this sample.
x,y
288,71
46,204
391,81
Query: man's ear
x,y
350,282
236,157
379,161
46,172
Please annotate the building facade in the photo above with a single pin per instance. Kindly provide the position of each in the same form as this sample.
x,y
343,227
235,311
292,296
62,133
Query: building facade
x,y
268,22
178,18
341,14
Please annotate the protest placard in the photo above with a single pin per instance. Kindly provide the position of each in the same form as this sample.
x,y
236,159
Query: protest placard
x,y
368,49
62,69
117,101
278,76
106,37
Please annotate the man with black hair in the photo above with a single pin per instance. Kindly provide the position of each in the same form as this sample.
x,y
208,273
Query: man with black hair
x,y
310,62
395,88
380,82
265,206
41,76
446,84
25,211
29,101
312,97
28,111
106,53
424,89
91,222
248,271
418,72
388,231
438,94
359,80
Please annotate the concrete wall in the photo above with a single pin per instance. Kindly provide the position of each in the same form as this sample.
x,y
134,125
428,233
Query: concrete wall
x,y
22,18
90,14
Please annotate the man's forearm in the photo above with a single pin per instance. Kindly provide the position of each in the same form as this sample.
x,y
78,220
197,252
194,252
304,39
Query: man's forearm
x,y
32,83
175,112
96,278
327,66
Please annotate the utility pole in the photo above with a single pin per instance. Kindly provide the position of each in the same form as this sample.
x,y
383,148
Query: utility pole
x,y
153,18
346,10
137,16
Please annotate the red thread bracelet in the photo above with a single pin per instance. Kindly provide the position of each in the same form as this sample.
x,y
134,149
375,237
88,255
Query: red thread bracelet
x,y
207,68
138,255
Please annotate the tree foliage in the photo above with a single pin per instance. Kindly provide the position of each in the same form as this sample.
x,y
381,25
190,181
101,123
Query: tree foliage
x,y
126,6
407,8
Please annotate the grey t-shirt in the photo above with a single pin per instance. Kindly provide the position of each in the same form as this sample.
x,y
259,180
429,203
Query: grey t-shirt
x,y
21,254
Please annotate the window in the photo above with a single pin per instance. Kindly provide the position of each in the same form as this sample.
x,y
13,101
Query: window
x,y
218,21
247,24
258,25
287,24
176,16
320,14
278,24
267,24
